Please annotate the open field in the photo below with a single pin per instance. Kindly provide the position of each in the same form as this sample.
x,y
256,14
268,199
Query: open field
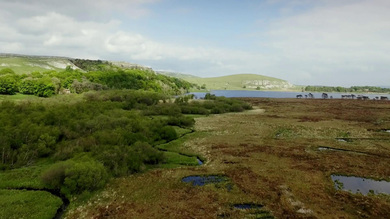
x,y
270,158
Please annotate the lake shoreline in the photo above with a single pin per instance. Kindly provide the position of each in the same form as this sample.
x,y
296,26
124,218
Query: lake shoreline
x,y
281,94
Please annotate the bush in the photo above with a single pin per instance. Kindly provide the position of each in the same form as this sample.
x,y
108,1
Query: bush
x,y
44,88
27,87
54,177
84,175
75,176
120,160
6,71
147,153
181,121
236,107
8,85
194,109
168,133
209,96
218,110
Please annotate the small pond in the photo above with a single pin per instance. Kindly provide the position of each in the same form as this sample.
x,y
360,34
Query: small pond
x,y
247,206
360,185
200,162
203,180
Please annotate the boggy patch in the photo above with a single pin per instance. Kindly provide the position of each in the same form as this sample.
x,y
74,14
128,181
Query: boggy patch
x,y
203,180
360,185
246,206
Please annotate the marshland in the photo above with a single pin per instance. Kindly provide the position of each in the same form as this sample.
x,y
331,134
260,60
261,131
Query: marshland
x,y
267,157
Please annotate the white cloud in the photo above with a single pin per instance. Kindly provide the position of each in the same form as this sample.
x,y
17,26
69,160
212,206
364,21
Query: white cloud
x,y
347,42
332,42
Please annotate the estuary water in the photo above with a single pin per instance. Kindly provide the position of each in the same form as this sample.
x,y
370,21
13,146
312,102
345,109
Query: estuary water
x,y
275,94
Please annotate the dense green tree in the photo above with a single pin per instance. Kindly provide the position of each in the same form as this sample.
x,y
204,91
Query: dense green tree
x,y
8,84
27,86
6,71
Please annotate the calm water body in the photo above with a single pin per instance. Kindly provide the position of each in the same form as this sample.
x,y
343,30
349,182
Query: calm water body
x,y
361,185
203,180
247,206
275,94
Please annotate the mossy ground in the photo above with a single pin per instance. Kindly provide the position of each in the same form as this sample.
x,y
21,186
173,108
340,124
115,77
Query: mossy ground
x,y
271,157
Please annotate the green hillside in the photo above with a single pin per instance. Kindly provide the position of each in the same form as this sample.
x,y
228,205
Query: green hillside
x,y
48,76
22,64
242,82
178,75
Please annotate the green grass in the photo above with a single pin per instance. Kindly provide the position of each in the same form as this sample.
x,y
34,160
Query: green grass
x,y
26,177
181,131
174,159
28,204
18,97
177,145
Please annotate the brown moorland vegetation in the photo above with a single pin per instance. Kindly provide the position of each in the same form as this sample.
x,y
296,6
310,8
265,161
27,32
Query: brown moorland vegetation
x,y
271,157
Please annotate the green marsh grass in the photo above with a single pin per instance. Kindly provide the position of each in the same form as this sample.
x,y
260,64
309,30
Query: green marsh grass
x,y
28,204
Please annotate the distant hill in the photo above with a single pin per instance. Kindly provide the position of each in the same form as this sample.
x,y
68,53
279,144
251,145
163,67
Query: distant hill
x,y
237,82
177,75
23,64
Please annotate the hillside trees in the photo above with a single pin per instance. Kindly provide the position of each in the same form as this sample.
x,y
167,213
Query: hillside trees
x,y
46,84
346,89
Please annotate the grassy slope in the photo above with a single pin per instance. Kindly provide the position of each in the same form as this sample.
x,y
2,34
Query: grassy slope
x,y
26,64
178,75
231,82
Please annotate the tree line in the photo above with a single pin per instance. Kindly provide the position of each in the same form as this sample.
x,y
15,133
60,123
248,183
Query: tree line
x,y
353,89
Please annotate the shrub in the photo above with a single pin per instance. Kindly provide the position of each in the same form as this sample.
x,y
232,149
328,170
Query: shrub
x,y
8,85
27,87
236,107
147,153
84,175
168,133
75,176
120,160
54,177
181,121
209,96
6,71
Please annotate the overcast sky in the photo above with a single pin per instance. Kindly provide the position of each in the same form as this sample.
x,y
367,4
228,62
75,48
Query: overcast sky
x,y
308,42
